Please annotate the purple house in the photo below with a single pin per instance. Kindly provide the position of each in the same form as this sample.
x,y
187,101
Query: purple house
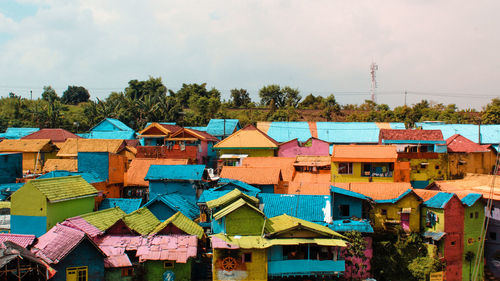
x,y
312,147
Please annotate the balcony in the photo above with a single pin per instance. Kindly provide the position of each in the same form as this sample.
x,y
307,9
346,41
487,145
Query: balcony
x,y
305,267
418,155
175,152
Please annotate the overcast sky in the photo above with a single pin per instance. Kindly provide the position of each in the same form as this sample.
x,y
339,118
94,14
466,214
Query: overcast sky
x,y
443,51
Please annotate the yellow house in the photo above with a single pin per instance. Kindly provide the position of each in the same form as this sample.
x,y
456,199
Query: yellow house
x,y
35,152
363,163
466,156
249,141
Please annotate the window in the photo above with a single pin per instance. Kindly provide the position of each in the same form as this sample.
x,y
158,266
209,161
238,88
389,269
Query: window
x,y
493,235
437,167
423,165
127,271
453,243
477,215
345,168
247,257
77,273
168,264
471,215
344,210
383,212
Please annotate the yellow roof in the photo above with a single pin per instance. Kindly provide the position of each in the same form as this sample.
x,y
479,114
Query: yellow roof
x,y
69,147
248,137
28,145
60,164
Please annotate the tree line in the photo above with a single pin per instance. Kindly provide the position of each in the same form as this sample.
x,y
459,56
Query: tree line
x,y
195,104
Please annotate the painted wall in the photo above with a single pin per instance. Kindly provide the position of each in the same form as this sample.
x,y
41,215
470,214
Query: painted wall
x,y
350,271
115,274
155,270
437,169
472,235
254,270
393,213
117,167
453,241
438,226
58,212
11,167
356,175
28,225
477,162
161,210
30,160
185,188
355,206
249,152
85,254
94,162
28,211
313,147
244,221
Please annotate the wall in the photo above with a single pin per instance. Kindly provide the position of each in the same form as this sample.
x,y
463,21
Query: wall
x,y
117,165
115,274
472,233
212,155
85,254
393,213
28,211
355,206
255,270
439,226
356,175
58,212
250,152
29,160
155,270
454,227
477,162
244,221
421,176
96,162
28,225
292,149
11,167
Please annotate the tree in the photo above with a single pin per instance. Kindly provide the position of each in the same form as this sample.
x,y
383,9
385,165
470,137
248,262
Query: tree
x,y
137,89
331,108
189,90
421,267
75,95
311,102
49,94
240,98
275,96
292,96
491,114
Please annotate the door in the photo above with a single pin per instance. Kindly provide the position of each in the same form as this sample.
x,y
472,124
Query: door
x,y
77,273
405,221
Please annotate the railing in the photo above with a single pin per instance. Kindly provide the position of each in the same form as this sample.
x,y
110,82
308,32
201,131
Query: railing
x,y
418,155
188,152
305,267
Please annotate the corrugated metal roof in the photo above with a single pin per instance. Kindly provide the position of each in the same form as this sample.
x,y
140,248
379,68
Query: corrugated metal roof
x,y
104,219
20,239
231,197
110,135
411,134
26,145
248,137
60,164
142,221
139,167
17,133
89,177
348,132
201,135
177,202
222,127
242,186
436,236
70,146
363,226
117,261
221,241
175,172
286,131
285,164
203,129
490,134
234,206
471,199
165,128
310,184
439,200
458,143
128,205
354,153
119,125
81,224
63,188
313,208
349,193
378,191
58,242
284,223
5,204
55,135
252,175
211,194
183,223
162,123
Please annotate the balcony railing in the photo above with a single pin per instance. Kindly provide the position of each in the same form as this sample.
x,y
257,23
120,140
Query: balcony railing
x,y
305,267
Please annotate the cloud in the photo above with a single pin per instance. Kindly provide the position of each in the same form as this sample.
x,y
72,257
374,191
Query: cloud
x,y
320,47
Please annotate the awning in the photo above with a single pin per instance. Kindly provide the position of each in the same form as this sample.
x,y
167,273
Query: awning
x,y
436,236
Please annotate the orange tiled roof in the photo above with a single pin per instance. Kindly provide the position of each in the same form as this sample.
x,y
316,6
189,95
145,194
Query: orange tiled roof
x,y
377,190
426,194
139,168
307,183
252,175
284,163
364,153
248,137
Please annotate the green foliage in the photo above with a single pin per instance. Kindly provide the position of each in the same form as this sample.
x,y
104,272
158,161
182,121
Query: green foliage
x,y
277,97
49,94
191,90
331,107
240,98
421,267
138,89
492,113
356,250
312,102
75,95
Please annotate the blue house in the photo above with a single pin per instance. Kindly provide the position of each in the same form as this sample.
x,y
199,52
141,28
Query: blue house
x,y
166,205
11,167
128,205
17,133
187,180
223,128
348,213
110,128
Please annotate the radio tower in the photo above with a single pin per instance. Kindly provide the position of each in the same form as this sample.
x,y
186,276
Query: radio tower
x,y
373,69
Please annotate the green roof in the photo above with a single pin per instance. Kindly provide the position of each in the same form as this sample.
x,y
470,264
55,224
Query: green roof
x,y
183,223
231,197
63,188
285,223
104,219
234,206
142,221
258,242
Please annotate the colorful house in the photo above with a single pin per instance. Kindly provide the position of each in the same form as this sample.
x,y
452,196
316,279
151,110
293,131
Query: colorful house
x,y
202,141
249,141
268,180
364,163
313,164
466,156
57,164
107,166
72,147
35,152
39,204
155,133
311,147
473,223
11,167
57,136
187,180
225,186
285,164
71,253
166,205
110,128
223,128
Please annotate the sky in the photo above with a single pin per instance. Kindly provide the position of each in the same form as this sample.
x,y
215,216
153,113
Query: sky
x,y
443,51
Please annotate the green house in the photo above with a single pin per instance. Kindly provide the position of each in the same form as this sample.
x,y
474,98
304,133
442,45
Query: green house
x,y
473,223
40,204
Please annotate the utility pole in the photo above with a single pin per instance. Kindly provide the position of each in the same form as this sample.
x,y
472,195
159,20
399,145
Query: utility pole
x,y
31,95
406,93
373,69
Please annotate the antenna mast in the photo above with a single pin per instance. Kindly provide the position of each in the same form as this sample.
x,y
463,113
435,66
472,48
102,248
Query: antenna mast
x,y
373,69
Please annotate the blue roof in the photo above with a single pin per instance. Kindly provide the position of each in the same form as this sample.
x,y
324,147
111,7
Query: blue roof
x,y
471,199
490,134
348,132
8,188
242,186
439,200
394,200
17,133
116,123
398,126
306,207
175,172
177,202
348,193
211,194
350,225
230,185
286,131
217,127
89,177
110,135
128,205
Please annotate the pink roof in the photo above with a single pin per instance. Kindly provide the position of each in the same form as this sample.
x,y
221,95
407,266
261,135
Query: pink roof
x,y
55,135
459,143
177,248
20,239
82,225
60,240
117,261
218,243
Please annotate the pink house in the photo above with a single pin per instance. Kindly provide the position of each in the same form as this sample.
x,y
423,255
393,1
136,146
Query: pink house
x,y
313,147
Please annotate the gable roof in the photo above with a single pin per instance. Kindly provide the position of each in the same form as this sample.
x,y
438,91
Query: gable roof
x,y
248,137
348,193
233,207
222,127
55,135
70,146
17,133
470,199
178,203
285,131
285,164
89,177
81,224
313,208
142,221
410,135
361,153
55,164
439,200
183,223
128,205
285,223
231,197
104,219
459,143
195,133
139,167
30,145
252,175
165,128
117,124
245,187
63,188
387,192
175,172
20,239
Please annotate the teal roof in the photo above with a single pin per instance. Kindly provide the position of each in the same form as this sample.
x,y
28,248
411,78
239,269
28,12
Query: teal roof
x,y
306,207
490,134
211,194
89,177
351,132
222,127
175,172
178,203
17,133
471,199
116,123
348,193
109,135
439,200
436,236
7,189
351,225
230,184
394,200
202,129
286,131
128,205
